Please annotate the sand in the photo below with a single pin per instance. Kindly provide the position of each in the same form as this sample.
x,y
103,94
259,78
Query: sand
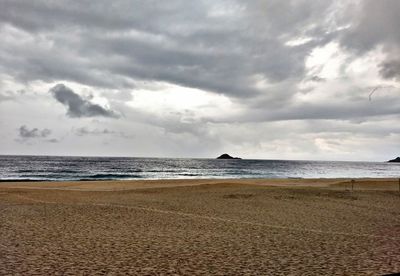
x,y
201,227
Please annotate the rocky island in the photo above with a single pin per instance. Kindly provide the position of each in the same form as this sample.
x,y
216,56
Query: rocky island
x,y
227,156
395,160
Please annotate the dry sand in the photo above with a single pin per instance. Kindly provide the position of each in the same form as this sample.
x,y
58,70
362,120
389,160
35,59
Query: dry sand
x,y
201,227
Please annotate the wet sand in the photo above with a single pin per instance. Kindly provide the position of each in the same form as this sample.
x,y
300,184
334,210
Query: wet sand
x,y
201,227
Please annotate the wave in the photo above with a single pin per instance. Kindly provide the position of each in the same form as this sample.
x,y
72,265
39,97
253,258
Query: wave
x,y
54,171
30,171
189,174
162,171
111,176
21,180
100,176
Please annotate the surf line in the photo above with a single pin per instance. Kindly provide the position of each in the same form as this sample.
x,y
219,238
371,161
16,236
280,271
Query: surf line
x,y
190,215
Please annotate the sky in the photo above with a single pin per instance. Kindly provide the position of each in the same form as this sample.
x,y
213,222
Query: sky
x,y
272,79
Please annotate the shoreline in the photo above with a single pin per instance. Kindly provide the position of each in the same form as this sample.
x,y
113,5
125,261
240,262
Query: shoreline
x,y
391,184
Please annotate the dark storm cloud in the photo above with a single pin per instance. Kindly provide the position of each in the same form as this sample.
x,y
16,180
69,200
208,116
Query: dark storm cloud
x,y
76,105
254,53
223,47
25,133
376,25
216,47
390,69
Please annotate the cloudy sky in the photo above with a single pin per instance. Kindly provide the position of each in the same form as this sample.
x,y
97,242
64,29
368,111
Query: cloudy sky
x,y
258,79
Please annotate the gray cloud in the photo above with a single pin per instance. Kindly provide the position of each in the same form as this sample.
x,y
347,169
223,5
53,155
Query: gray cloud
x,y
53,140
317,79
77,106
254,53
215,47
24,132
84,131
384,102
390,69
376,25
10,95
7,96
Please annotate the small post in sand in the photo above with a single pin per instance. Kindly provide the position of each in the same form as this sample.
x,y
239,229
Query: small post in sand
x,y
352,184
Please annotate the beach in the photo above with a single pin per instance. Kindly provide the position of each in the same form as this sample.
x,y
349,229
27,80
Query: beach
x,y
201,227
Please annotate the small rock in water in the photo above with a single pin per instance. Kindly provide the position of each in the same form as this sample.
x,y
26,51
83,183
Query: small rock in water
x,y
227,156
395,160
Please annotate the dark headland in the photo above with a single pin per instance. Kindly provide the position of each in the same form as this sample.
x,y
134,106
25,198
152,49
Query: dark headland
x,y
227,156
395,160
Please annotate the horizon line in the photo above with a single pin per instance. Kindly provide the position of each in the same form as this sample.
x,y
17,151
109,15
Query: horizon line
x,y
207,158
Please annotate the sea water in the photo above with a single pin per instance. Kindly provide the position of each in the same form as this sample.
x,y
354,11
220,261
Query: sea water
x,y
60,168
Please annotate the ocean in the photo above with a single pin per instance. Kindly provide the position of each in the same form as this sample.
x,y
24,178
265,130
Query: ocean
x,y
62,168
